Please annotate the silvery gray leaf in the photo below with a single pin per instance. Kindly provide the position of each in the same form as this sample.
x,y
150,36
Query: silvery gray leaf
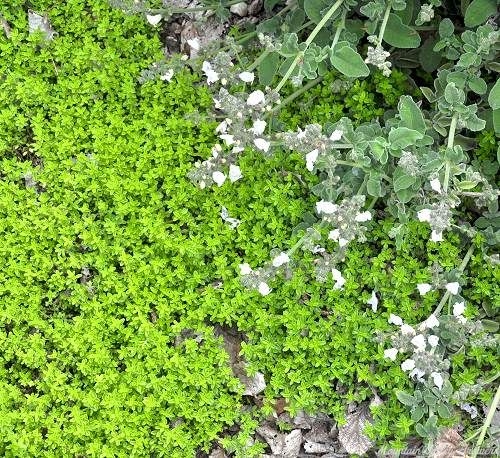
x,y
38,22
233,222
5,27
274,439
351,435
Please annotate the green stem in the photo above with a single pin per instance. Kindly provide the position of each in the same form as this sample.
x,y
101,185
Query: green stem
x,y
309,40
188,10
339,30
449,145
489,418
461,268
491,379
296,94
384,23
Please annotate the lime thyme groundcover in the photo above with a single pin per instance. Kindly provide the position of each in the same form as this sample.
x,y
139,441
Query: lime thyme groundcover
x,y
117,272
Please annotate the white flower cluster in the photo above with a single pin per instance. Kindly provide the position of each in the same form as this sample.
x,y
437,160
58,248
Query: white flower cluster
x,y
378,57
438,216
426,14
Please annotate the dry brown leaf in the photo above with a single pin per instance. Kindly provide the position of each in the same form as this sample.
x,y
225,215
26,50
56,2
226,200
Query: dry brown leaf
x,y
351,435
449,444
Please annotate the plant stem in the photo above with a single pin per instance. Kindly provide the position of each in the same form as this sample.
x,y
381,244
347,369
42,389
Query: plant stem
x,y
449,145
296,94
188,10
461,268
257,61
384,23
309,40
338,31
489,418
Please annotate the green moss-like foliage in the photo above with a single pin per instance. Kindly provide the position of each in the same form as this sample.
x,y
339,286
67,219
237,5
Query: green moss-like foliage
x,y
109,258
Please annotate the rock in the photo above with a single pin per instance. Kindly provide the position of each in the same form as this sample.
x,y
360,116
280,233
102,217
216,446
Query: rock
x,y
240,9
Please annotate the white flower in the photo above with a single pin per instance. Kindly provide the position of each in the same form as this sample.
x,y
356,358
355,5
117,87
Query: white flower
x,y
362,217
453,287
437,378
212,76
255,98
424,288
194,43
311,159
418,373
406,329
458,308
247,77
301,134
167,76
339,279
419,342
336,135
436,236
334,234
264,288
424,215
408,365
222,127
431,322
326,207
281,259
155,19
219,177
217,104
258,127
228,139
433,341
262,144
436,185
234,173
394,319
245,269
391,353
373,301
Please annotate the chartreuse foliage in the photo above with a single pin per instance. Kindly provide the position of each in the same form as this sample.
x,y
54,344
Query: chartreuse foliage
x,y
109,255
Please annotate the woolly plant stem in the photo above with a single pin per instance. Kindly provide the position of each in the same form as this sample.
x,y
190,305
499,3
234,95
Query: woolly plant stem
x,y
489,418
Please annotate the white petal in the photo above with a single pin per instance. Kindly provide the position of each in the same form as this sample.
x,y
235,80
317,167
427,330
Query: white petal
x,y
258,127
437,378
281,259
311,158
255,98
211,75
167,76
362,217
219,177
234,173
436,185
154,19
222,127
194,43
245,269
301,134
228,139
391,353
431,322
394,319
433,341
419,342
326,207
424,215
336,135
262,144
408,365
373,301
418,373
423,288
436,236
334,234
339,279
247,77
453,287
343,242
458,308
406,329
264,288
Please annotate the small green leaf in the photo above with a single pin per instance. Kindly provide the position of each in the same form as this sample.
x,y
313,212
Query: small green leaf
x,y
428,58
348,62
410,114
314,9
417,413
477,85
421,431
267,68
430,399
402,181
453,95
443,411
490,325
400,35
494,96
479,11
401,137
374,186
290,46
405,398
446,28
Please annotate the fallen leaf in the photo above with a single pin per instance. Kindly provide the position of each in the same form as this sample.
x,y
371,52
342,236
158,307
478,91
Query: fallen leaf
x,y
351,435
38,22
292,443
449,444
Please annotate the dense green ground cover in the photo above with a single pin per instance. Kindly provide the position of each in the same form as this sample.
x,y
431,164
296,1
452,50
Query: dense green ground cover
x,y
109,254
